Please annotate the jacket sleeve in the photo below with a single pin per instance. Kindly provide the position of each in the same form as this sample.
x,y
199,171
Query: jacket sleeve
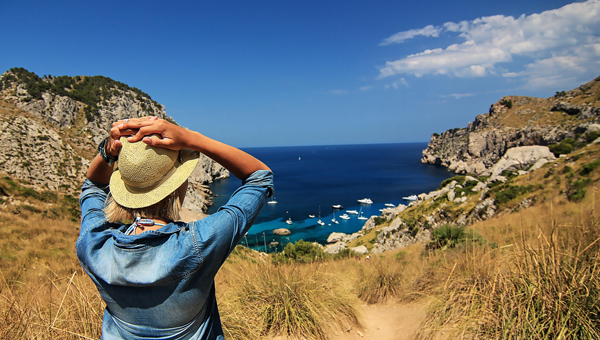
x,y
219,233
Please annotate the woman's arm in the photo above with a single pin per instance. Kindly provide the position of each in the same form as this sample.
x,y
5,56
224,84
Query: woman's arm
x,y
174,137
99,170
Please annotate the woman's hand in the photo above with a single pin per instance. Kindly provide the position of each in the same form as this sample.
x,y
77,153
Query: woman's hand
x,y
173,137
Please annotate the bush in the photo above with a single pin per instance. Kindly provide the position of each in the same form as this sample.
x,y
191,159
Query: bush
x,y
379,220
588,168
449,236
301,251
566,146
507,103
510,192
459,179
592,136
577,189
446,236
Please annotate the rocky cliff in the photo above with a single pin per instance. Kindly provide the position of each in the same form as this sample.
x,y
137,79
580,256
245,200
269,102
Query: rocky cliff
x,y
571,117
50,127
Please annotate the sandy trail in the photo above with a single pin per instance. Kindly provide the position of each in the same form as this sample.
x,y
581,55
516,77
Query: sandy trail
x,y
391,321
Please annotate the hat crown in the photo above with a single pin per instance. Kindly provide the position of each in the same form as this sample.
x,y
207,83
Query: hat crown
x,y
142,165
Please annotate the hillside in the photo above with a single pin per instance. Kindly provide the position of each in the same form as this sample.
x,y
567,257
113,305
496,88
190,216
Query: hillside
x,y
512,255
530,271
561,122
50,127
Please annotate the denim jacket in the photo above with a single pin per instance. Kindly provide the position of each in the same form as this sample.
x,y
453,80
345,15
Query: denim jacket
x,y
160,284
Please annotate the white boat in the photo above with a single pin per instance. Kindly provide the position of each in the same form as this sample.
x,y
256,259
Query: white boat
x,y
352,212
345,217
365,201
360,215
389,205
333,220
410,198
311,216
272,201
337,206
319,222
289,221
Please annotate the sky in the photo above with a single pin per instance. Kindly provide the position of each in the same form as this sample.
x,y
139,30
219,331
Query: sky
x,y
280,73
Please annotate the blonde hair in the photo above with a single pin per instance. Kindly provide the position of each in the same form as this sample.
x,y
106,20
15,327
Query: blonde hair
x,y
168,208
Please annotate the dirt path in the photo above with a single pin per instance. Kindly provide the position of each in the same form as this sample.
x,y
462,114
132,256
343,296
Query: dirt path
x,y
392,321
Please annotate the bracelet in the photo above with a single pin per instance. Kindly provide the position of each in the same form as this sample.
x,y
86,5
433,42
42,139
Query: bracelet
x,y
105,156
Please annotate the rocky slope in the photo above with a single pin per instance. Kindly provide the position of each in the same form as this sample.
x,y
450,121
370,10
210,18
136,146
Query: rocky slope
x,y
511,153
464,200
50,127
517,121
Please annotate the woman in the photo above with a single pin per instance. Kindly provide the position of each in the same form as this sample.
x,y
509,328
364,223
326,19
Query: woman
x,y
156,274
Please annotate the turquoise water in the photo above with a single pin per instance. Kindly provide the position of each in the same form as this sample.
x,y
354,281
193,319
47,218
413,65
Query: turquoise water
x,y
309,179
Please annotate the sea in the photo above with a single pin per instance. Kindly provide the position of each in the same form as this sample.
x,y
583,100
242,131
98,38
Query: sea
x,y
309,180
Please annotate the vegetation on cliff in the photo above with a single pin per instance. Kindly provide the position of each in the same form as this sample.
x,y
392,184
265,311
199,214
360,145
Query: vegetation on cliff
x,y
90,90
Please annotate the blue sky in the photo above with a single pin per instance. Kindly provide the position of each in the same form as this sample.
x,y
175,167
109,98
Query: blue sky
x,y
276,73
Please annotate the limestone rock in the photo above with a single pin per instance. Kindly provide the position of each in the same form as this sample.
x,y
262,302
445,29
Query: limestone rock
x,y
335,248
335,237
282,232
522,158
360,250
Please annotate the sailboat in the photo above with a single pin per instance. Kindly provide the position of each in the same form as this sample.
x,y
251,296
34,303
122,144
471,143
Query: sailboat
x,y
272,201
319,222
360,215
333,220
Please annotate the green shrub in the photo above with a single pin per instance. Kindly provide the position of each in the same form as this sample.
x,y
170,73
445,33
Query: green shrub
x,y
446,236
301,251
507,103
459,179
510,192
561,148
577,191
588,168
449,236
591,136
379,220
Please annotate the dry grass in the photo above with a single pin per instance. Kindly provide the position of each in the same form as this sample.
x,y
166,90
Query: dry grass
x,y
536,277
542,282
379,280
53,308
294,301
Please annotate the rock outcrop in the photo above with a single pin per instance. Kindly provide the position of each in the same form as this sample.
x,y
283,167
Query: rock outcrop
x,y
514,121
48,138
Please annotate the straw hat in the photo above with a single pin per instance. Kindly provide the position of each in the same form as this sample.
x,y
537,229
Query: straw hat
x,y
146,174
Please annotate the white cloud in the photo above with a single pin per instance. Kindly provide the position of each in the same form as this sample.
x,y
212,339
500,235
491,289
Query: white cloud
x,y
563,42
338,92
365,88
458,95
395,85
428,31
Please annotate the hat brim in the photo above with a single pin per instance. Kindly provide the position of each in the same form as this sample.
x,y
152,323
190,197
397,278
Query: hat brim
x,y
134,198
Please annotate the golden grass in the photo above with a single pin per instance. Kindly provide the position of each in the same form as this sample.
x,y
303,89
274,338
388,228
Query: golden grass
x,y
536,277
295,301
541,282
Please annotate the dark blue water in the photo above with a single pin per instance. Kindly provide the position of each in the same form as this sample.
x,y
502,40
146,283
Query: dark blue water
x,y
309,178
